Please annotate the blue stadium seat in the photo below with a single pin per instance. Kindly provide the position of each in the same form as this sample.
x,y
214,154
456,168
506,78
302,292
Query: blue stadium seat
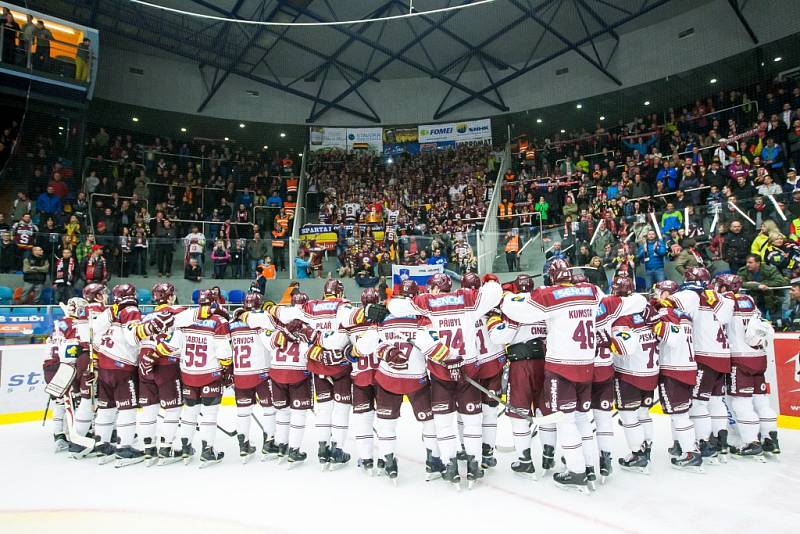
x,y
236,296
195,295
6,295
5,311
47,295
143,295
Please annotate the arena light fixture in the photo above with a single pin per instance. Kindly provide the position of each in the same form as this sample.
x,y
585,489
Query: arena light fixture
x,y
241,125
602,117
227,139
777,58
135,119
266,147
389,160
646,102
300,154
579,106
60,127
283,134
563,130
713,80
183,130
538,121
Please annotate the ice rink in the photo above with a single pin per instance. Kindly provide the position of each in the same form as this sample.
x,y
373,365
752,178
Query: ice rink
x,y
80,496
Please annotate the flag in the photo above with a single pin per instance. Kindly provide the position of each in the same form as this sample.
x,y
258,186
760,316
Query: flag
x,y
419,273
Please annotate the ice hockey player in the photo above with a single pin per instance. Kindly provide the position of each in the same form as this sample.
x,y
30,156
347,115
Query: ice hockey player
x,y
402,371
676,379
159,381
748,334
65,348
526,351
202,337
252,355
453,317
569,311
711,314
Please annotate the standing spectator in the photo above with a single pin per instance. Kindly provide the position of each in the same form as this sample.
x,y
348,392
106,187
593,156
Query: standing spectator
x,y
195,243
8,253
512,249
22,205
43,38
10,32
759,279
652,252
49,204
28,38
301,264
193,272
66,274
772,156
34,274
94,268
140,246
256,252
279,239
125,251
220,258
671,218
165,247
83,60
23,232
688,257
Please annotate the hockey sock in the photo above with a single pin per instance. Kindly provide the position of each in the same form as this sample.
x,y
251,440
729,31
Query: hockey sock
x,y
588,444
683,431
208,423
83,417
243,421
268,420
701,419
647,422
719,414
746,419
472,434
429,436
169,425
634,433
296,428
340,419
282,418
146,419
446,435
104,425
188,423
362,428
521,429
387,436
460,427
489,424
126,427
57,424
571,443
767,418
547,433
323,412
604,421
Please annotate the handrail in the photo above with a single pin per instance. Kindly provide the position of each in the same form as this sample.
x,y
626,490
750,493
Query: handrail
x,y
300,210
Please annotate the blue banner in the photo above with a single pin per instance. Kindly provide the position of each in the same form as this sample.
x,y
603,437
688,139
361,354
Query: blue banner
x,y
26,323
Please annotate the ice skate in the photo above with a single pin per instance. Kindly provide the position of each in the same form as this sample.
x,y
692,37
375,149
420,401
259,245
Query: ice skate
x,y
269,451
523,466
591,478
245,449
150,452
60,443
283,450
487,457
367,466
646,448
209,456
572,481
338,458
451,474
606,466
127,455
548,457
688,461
105,453
709,453
167,456
675,450
771,446
434,467
722,446
295,457
187,451
636,462
751,450
390,468
474,471
324,455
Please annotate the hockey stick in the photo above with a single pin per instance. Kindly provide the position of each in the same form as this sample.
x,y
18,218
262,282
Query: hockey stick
x,y
228,433
258,423
46,409
535,420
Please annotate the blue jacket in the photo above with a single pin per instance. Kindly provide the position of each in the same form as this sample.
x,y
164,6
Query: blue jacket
x,y
669,176
300,267
440,260
642,147
47,203
656,250
774,155
275,202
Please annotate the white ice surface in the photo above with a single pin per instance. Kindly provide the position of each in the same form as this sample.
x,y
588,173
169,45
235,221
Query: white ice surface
x,y
740,497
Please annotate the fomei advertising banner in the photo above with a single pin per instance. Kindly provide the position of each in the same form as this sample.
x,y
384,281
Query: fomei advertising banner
x,y
478,132
365,139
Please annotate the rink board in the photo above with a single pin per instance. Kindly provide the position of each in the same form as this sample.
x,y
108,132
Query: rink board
x,y
22,396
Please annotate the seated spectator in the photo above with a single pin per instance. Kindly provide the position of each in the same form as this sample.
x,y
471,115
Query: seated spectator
x,y
218,296
689,256
274,200
192,272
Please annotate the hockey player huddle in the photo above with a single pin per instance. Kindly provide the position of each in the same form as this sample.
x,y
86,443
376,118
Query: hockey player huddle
x,y
572,354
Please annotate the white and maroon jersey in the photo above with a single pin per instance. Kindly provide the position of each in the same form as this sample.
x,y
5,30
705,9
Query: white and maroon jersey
x,y
569,312
351,326
742,354
611,308
118,347
23,234
252,354
289,363
637,361
453,318
203,342
149,344
64,343
491,355
322,316
90,330
711,314
676,357
509,332
401,333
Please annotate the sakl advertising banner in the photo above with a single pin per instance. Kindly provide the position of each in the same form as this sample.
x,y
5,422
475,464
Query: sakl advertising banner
x,y
323,138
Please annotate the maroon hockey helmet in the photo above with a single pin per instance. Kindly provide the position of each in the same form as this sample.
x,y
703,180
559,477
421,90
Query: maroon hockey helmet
x,y
332,288
370,295
697,274
559,271
409,288
523,283
299,298
440,281
471,281
124,295
206,297
622,285
94,292
579,278
668,286
162,292
252,301
728,282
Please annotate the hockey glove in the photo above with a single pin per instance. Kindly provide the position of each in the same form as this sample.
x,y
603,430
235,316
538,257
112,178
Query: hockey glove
x,y
376,312
146,362
331,357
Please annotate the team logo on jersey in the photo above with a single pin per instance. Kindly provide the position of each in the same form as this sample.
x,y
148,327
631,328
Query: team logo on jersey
x,y
675,329
601,310
447,300
745,304
573,291
207,323
518,298
625,336
638,319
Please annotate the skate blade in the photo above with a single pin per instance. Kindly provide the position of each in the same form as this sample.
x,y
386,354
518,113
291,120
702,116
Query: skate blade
x,y
90,453
324,466
527,476
603,480
639,470
471,484
59,450
127,461
293,464
592,485
723,458
584,490
208,463
773,456
696,469
712,461
103,460
336,467
245,458
150,462
269,457
429,476
393,480
168,461
187,461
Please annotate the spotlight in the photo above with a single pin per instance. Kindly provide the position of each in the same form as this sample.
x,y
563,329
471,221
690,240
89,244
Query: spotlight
x,y
579,106
538,121
777,58
183,130
283,134
713,80
135,119
646,102
602,117
241,125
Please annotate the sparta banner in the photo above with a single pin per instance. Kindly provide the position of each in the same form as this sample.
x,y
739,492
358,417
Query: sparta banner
x,y
326,236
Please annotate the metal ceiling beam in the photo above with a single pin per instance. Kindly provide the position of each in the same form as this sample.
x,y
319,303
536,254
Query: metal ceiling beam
x,y
396,56
513,76
738,10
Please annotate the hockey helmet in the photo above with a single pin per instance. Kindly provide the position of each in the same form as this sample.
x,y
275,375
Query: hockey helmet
x,y
252,301
333,288
470,281
124,295
697,274
163,292
523,283
622,285
299,298
409,288
728,282
440,281
370,295
559,271
94,292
